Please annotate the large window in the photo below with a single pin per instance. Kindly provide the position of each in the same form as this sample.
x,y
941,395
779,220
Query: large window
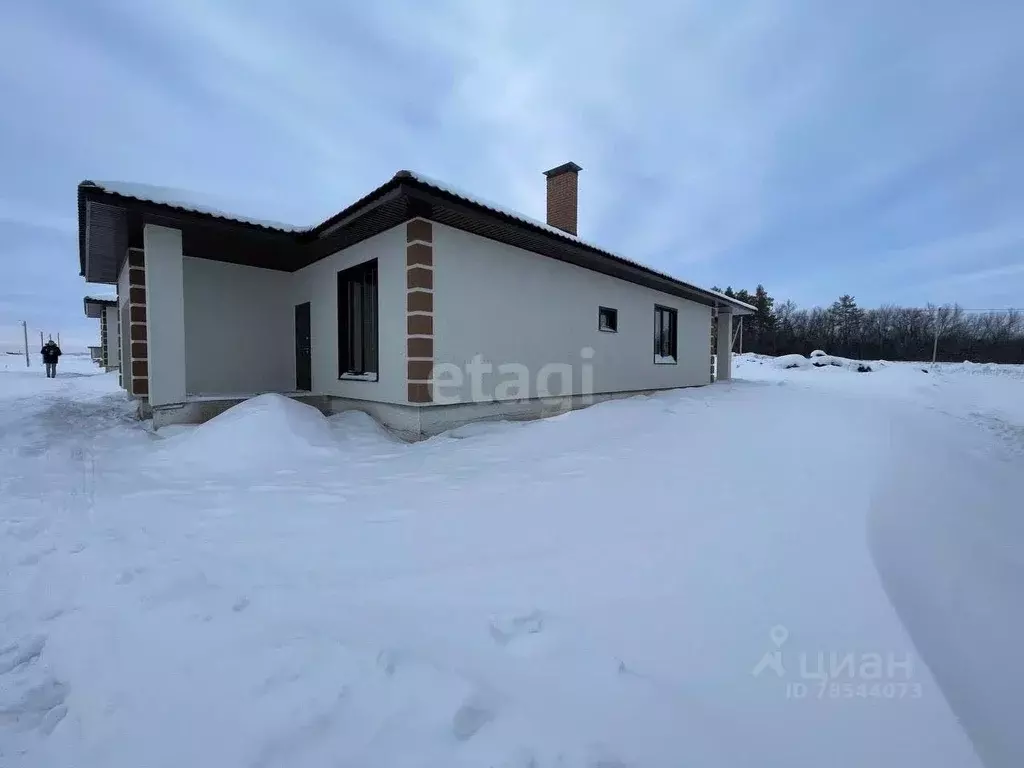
x,y
664,335
357,320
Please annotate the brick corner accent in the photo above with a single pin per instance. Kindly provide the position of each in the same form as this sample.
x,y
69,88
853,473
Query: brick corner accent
x,y
137,366
419,229
419,392
419,267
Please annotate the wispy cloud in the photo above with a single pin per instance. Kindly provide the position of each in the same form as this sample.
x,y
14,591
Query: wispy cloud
x,y
24,214
818,148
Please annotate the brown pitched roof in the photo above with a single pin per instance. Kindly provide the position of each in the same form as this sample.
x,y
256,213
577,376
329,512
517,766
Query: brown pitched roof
x,y
111,215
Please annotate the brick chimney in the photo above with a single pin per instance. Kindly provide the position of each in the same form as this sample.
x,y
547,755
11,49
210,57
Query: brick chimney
x,y
563,188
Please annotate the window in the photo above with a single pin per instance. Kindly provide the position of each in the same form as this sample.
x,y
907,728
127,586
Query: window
x,y
607,319
357,320
664,335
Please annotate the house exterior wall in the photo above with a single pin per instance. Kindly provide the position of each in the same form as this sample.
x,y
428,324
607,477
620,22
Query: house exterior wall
x,y
164,315
112,347
239,329
444,298
124,325
514,306
318,284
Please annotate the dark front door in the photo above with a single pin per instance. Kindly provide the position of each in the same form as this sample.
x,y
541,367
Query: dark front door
x,y
303,349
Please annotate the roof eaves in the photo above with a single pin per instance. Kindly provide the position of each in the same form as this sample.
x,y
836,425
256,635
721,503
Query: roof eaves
x,y
90,187
551,231
367,200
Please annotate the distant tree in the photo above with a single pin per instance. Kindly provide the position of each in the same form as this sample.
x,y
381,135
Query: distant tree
x,y
846,318
889,332
763,322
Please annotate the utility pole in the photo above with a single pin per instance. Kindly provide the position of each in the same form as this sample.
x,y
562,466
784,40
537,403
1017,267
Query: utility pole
x,y
24,328
935,343
58,338
738,334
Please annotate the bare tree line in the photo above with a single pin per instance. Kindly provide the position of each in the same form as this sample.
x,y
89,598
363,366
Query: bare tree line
x,y
886,333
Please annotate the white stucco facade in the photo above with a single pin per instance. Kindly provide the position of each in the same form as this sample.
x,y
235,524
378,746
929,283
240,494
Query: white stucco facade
x,y
122,314
219,329
239,336
165,314
113,349
508,305
318,284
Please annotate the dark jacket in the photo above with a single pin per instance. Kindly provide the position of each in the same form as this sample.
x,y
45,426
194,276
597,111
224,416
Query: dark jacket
x,y
50,352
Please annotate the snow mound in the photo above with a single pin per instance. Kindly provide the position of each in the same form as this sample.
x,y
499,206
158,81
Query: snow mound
x,y
361,427
791,361
268,430
819,359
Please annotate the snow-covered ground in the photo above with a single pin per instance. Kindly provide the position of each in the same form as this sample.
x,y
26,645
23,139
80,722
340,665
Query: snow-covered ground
x,y
801,567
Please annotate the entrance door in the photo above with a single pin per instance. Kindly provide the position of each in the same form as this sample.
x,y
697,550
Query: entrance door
x,y
303,349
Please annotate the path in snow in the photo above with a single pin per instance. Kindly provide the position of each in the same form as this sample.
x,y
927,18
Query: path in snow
x,y
593,589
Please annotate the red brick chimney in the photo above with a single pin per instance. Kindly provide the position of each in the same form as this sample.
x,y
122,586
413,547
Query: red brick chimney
x,y
563,188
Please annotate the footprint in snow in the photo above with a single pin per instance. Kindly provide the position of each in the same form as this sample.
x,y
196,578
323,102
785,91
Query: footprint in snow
x,y
21,652
470,718
35,557
521,634
128,575
39,706
26,701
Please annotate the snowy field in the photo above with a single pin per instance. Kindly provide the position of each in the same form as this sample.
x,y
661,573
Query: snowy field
x,y
803,567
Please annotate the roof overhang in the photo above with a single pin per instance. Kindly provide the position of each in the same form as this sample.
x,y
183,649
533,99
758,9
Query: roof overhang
x,y
109,224
94,306
451,209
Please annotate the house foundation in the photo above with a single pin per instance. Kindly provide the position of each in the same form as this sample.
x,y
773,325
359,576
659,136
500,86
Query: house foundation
x,y
408,422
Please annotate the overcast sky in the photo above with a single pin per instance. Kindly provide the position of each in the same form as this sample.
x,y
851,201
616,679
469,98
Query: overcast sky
x,y
817,147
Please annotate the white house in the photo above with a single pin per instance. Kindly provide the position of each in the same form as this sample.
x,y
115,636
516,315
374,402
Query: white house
x,y
108,352
419,304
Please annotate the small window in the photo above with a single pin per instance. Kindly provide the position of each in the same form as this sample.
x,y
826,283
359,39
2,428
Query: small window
x,y
607,319
357,320
665,335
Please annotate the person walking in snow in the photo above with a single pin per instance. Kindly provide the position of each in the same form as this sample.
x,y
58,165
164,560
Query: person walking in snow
x,y
50,352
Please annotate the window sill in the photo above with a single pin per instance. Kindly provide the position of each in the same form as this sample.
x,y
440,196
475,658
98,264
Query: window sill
x,y
608,330
666,361
358,377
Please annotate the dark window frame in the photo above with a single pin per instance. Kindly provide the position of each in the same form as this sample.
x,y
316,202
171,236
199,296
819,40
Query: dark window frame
x,y
661,343
613,314
359,322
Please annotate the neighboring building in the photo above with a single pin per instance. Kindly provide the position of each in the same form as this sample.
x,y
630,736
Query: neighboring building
x,y
396,306
108,353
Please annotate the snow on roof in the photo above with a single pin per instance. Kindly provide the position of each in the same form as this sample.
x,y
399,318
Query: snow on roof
x,y
206,204
188,201
444,187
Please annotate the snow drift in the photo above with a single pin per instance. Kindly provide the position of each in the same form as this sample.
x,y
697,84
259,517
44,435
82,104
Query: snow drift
x,y
819,359
265,431
947,552
596,589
